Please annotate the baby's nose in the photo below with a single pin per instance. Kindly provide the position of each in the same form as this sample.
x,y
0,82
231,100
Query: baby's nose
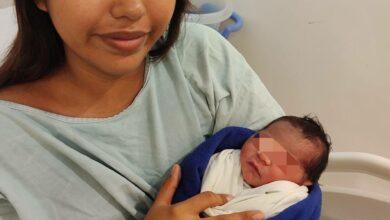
x,y
264,158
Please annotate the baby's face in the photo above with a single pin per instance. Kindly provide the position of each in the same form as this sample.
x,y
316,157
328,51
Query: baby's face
x,y
269,156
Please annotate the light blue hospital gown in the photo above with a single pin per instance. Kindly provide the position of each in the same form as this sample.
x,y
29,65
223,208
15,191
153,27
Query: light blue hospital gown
x,y
58,167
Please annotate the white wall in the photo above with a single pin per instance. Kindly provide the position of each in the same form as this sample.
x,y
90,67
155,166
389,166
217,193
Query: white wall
x,y
331,58
8,28
5,3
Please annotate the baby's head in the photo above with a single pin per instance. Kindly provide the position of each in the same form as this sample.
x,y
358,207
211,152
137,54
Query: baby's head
x,y
289,148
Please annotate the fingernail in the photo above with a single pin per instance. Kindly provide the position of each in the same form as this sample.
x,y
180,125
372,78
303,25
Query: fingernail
x,y
257,217
173,169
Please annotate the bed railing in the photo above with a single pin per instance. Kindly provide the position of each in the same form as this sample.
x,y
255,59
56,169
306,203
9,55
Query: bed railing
x,y
359,162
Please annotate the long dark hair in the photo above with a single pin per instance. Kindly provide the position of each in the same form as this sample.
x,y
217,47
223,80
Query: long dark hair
x,y
38,49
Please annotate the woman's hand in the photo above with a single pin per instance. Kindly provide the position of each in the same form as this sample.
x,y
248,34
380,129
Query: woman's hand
x,y
191,208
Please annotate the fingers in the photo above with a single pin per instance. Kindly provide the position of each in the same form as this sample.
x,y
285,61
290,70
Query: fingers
x,y
249,215
204,200
167,190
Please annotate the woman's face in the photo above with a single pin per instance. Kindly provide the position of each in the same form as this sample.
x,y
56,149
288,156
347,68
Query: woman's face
x,y
270,156
88,28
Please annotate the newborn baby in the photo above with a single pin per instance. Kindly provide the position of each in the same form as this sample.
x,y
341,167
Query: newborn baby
x,y
272,169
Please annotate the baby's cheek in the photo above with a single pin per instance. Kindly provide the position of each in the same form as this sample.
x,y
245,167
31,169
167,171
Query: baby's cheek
x,y
254,181
292,170
287,172
295,173
246,174
276,173
249,177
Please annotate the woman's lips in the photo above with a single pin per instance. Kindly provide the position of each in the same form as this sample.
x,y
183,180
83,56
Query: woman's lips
x,y
125,45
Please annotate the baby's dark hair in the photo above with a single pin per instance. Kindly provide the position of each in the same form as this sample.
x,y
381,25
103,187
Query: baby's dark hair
x,y
312,130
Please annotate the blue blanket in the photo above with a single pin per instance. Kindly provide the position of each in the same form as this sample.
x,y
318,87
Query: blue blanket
x,y
194,165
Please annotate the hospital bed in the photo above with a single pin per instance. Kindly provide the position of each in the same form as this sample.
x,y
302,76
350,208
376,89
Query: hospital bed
x,y
347,203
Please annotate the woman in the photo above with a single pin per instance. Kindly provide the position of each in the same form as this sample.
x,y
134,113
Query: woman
x,y
100,98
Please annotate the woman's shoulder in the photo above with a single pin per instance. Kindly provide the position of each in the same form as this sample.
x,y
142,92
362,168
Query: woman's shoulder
x,y
11,122
7,93
16,116
206,58
18,93
27,94
15,94
11,98
194,31
200,39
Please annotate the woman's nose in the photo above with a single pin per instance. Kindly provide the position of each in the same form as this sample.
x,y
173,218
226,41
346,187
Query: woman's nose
x,y
263,157
131,9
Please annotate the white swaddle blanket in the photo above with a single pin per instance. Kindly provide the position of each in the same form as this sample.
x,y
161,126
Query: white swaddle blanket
x,y
223,175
